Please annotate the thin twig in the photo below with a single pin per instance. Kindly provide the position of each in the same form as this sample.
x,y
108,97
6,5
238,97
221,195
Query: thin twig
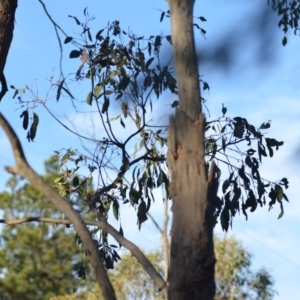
x,y
65,126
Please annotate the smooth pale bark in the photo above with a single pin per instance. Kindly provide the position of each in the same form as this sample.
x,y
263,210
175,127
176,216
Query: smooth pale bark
x,y
192,189
7,20
186,63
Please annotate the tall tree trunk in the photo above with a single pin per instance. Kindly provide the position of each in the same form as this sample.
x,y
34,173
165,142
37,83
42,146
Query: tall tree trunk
x,y
192,189
7,19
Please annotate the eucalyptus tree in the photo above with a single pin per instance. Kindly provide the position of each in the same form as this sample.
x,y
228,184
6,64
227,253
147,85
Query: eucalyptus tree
x,y
185,156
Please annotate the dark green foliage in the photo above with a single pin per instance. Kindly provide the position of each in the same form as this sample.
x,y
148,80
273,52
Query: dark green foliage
x,y
235,277
89,98
36,259
35,121
75,54
289,13
29,115
126,74
60,88
132,69
68,39
247,189
25,118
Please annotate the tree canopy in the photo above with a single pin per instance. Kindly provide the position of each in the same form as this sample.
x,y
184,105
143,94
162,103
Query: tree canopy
x,y
37,261
127,76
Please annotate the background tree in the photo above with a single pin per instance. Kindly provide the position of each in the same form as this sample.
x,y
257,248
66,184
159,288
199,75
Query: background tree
x,y
235,277
37,261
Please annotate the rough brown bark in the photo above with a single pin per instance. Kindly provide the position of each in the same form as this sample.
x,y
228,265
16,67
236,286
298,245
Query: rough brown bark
x,y
7,19
193,191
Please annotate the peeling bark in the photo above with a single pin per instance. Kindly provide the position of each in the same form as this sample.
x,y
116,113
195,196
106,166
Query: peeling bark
x,y
193,192
192,189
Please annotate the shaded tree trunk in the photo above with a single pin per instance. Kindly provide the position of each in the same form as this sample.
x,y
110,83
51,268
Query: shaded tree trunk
x,y
192,189
7,19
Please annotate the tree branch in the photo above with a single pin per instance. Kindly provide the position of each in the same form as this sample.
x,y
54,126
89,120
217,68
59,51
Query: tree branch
x,y
135,251
66,127
4,88
56,28
155,223
7,15
22,168
105,226
164,236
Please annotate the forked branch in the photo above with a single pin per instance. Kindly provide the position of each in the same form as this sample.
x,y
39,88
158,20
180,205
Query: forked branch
x,y
105,226
22,168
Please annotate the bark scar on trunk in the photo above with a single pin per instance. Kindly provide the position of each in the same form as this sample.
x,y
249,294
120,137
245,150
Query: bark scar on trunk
x,y
192,190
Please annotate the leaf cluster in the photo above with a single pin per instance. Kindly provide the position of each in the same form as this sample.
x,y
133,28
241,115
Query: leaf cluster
x,y
244,187
289,13
125,72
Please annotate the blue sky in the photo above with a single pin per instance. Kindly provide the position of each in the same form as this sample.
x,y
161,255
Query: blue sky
x,y
255,87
